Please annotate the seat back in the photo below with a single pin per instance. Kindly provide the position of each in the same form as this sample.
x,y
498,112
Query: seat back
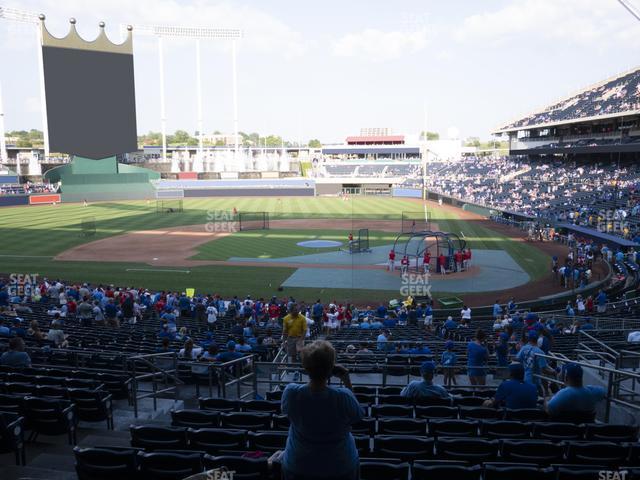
x,y
457,472
169,465
215,440
105,463
541,452
246,421
158,438
373,470
218,404
267,441
195,418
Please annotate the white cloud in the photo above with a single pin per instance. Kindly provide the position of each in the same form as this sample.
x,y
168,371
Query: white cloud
x,y
263,33
591,23
378,45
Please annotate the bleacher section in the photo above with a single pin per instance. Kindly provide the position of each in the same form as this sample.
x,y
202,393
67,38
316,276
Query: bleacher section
x,y
371,170
620,94
601,195
92,393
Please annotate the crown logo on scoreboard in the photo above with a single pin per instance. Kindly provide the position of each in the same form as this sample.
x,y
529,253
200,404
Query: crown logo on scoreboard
x,y
74,40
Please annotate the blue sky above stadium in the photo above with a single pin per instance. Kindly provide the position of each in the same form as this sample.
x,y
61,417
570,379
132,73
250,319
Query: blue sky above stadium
x,y
326,69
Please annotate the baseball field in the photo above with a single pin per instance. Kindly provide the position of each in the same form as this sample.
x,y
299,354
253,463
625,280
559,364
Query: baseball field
x,y
132,244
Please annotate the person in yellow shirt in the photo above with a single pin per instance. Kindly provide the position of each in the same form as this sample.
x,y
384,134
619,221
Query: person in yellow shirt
x,y
294,327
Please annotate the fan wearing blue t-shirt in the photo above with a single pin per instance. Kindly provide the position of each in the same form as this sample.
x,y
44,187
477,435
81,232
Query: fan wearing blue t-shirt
x,y
320,444
575,401
425,388
477,357
515,392
529,356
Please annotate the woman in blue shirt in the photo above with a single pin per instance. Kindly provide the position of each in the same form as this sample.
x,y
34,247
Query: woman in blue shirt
x,y
320,444
477,356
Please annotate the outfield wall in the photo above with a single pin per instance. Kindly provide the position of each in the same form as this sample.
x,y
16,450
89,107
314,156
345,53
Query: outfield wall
x,y
250,192
14,200
249,187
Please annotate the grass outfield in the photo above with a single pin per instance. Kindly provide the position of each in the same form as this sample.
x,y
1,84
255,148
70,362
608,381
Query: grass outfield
x,y
31,236
279,243
21,227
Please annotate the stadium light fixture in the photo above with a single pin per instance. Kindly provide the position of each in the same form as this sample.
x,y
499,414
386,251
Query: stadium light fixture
x,y
630,8
35,19
197,33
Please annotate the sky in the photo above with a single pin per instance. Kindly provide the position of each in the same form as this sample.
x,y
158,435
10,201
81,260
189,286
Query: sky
x,y
326,69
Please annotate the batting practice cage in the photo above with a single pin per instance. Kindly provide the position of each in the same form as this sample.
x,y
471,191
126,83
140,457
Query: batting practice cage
x,y
88,226
360,243
169,205
253,221
413,245
414,222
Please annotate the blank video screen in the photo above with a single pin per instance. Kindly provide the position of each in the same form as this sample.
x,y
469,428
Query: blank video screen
x,y
91,108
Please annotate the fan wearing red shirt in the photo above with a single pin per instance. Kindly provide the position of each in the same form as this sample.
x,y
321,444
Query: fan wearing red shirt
x,y
392,260
72,306
426,264
274,312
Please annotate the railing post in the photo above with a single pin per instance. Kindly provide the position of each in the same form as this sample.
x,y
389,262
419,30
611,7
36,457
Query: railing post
x,y
607,411
210,372
255,379
223,382
155,391
134,386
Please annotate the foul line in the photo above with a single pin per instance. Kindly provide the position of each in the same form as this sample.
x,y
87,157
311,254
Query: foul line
x,y
155,270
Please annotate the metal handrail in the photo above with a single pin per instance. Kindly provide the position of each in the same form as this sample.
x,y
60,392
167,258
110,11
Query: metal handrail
x,y
614,378
156,371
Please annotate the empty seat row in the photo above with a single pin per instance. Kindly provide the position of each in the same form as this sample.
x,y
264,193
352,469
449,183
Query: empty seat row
x,y
211,440
381,469
404,447
47,416
497,429
116,384
88,405
128,464
474,451
28,385
132,464
226,405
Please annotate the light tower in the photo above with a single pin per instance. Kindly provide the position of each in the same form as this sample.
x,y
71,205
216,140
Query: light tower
x,y
22,16
3,144
197,33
